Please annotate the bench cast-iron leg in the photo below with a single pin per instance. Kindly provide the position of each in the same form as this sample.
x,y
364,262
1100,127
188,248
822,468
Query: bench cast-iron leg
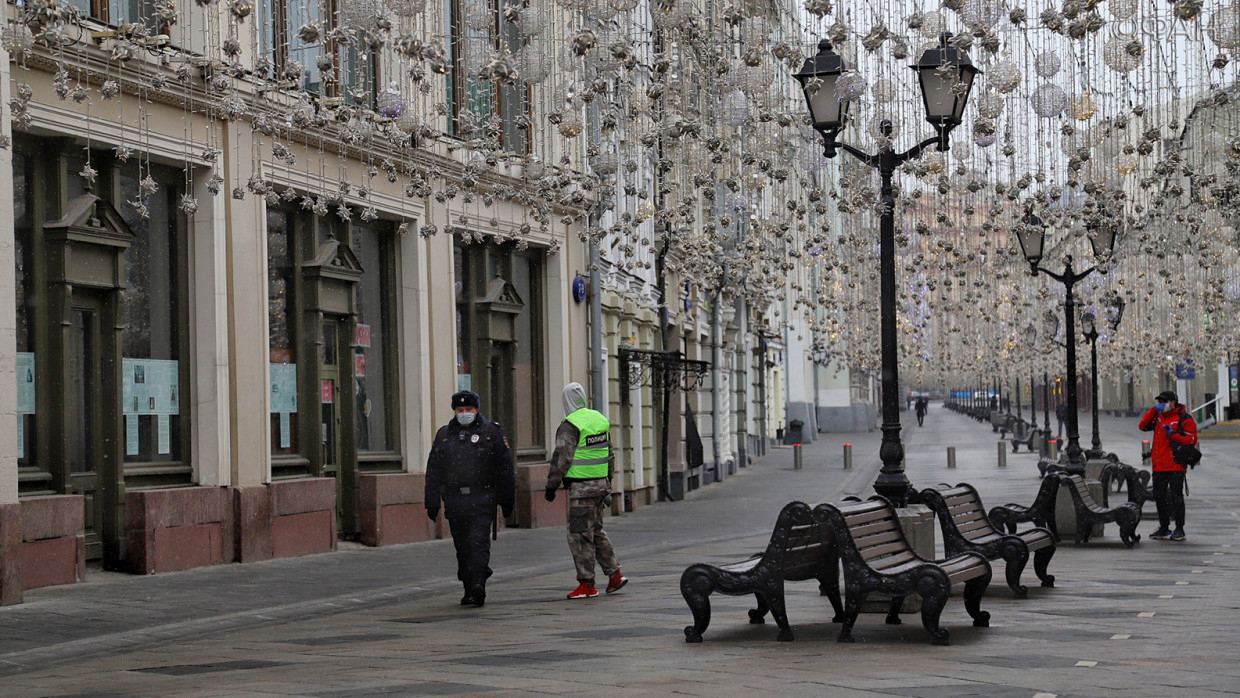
x,y
853,598
1042,558
696,584
1016,553
973,591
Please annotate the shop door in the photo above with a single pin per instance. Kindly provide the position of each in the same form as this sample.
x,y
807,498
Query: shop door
x,y
85,414
335,388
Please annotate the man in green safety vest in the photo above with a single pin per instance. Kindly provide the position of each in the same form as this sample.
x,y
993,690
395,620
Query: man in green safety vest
x,y
583,462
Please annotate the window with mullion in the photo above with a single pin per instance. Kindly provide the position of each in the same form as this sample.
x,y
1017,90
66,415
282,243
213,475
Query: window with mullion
x,y
473,99
321,65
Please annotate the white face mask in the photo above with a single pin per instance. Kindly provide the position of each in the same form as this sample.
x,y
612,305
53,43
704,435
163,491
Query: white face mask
x,y
466,418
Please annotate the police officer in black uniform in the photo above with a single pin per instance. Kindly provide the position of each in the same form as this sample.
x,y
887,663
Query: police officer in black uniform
x,y
470,471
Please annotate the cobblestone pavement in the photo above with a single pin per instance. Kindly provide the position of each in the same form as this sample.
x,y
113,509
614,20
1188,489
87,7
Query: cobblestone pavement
x,y
1157,620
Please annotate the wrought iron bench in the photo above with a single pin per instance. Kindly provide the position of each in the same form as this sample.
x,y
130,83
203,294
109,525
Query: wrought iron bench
x,y
800,549
1116,476
965,527
1089,512
999,421
1024,433
1041,512
877,558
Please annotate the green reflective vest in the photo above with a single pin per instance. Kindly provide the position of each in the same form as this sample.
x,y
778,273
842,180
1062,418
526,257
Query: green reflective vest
x,y
593,445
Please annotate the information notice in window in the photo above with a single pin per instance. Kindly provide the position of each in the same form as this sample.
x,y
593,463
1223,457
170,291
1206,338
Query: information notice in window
x,y
284,398
150,388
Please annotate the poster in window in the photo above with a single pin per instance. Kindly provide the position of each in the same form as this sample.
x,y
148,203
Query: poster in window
x,y
25,383
283,388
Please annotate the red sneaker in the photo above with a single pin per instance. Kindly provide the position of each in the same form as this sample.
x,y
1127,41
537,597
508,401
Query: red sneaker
x,y
616,581
583,591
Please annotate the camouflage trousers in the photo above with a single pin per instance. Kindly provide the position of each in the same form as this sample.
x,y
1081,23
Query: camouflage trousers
x,y
586,539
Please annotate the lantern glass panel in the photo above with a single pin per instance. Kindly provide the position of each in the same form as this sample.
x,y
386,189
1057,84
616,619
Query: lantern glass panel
x,y
824,108
936,90
1031,235
1089,325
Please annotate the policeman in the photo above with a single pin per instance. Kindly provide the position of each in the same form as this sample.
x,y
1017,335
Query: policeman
x,y
470,470
583,461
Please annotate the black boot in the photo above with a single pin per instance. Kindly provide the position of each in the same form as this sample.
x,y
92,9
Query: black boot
x,y
468,599
480,592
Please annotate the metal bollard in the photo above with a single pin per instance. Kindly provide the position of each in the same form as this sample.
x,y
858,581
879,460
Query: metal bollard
x,y
1002,455
847,456
1052,449
1145,451
796,456
951,456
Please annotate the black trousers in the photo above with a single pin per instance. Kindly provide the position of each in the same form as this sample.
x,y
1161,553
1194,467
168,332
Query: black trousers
x,y
471,534
1169,497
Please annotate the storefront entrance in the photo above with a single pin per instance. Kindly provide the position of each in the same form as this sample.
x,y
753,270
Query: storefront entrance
x,y
336,412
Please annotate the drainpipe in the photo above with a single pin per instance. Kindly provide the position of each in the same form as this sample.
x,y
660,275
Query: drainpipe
x,y
716,352
598,378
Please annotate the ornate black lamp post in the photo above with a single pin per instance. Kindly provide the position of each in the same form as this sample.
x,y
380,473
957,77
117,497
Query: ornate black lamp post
x,y
945,75
1115,313
1032,234
1089,330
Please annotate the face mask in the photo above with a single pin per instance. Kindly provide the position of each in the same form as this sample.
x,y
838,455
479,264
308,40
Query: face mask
x,y
466,418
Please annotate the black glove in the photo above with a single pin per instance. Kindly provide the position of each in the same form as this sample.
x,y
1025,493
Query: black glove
x,y
432,514
550,494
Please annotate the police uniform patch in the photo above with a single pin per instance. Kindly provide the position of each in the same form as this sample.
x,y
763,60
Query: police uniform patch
x,y
474,438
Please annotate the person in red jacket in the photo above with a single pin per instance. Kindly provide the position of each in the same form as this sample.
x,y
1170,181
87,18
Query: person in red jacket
x,y
1170,422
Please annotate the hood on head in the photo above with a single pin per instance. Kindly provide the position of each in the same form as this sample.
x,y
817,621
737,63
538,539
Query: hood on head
x,y
574,398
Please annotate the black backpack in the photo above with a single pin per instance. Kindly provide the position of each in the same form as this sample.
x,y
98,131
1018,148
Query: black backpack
x,y
1184,454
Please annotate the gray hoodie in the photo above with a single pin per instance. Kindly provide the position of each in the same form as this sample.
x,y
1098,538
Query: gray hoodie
x,y
574,398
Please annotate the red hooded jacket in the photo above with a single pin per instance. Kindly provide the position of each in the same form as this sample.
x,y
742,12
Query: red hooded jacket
x,y
1168,425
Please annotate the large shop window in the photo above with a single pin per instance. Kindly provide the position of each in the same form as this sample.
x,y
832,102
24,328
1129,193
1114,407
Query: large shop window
x,y
282,262
23,238
500,339
153,342
472,99
373,348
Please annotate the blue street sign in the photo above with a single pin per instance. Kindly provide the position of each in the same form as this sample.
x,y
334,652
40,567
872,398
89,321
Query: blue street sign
x,y
1186,371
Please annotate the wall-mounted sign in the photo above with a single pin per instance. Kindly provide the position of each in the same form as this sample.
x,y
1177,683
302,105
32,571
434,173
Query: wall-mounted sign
x,y
359,365
1186,371
361,336
328,392
579,289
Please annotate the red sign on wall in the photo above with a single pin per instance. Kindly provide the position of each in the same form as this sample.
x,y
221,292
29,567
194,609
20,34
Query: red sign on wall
x,y
361,337
328,392
359,365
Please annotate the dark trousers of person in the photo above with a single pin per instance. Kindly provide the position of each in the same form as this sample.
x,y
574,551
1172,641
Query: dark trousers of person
x,y
1169,497
921,417
471,534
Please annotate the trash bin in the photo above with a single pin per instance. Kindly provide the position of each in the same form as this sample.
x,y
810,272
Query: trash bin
x,y
793,434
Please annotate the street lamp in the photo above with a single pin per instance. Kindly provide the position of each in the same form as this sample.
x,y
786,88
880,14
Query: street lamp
x,y
1031,339
1032,234
1089,330
945,76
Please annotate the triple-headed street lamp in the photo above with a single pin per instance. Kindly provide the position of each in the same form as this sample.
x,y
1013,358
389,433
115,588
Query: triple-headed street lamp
x,y
1032,235
945,75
